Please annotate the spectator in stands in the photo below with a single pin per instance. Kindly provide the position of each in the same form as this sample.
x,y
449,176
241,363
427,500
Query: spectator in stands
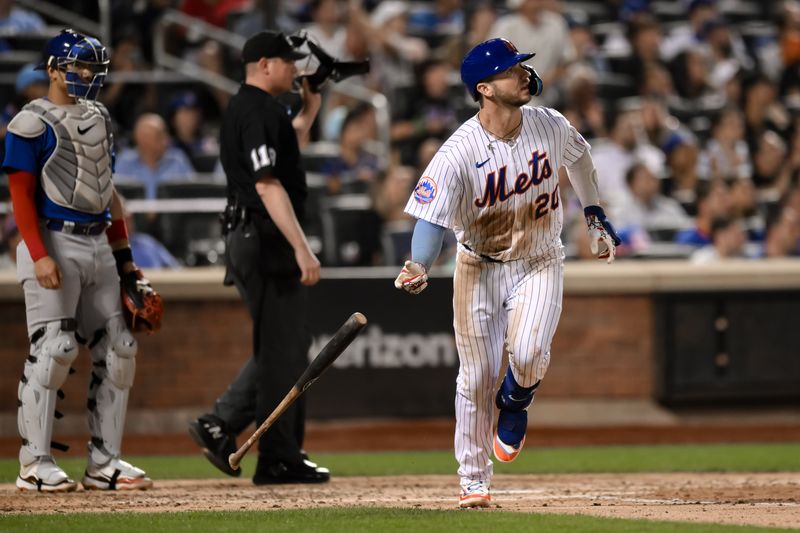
x,y
394,53
656,83
647,208
354,169
29,85
439,18
762,111
626,143
682,169
792,198
726,155
745,205
426,151
214,12
783,235
644,35
582,107
186,127
771,168
684,36
725,53
127,100
690,76
393,194
356,42
727,242
577,242
14,19
482,17
584,43
430,110
657,123
153,160
142,18
532,27
634,240
326,28
147,251
780,59
208,54
713,201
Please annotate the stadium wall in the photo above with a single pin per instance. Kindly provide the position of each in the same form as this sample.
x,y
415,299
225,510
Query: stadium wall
x,y
633,331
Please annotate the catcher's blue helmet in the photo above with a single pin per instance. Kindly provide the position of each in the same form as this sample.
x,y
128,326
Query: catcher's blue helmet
x,y
70,47
489,58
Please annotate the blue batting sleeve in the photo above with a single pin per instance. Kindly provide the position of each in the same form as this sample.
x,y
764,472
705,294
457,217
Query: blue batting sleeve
x,y
426,242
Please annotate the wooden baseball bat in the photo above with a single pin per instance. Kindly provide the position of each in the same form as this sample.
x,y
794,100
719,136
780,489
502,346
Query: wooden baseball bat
x,y
340,341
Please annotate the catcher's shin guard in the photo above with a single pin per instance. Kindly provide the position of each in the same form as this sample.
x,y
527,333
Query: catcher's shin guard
x,y
113,368
53,349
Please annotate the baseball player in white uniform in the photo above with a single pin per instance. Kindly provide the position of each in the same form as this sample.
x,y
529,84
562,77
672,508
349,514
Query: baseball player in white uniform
x,y
494,182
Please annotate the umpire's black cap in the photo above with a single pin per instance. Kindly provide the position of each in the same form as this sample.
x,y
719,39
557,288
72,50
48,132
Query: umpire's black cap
x,y
269,44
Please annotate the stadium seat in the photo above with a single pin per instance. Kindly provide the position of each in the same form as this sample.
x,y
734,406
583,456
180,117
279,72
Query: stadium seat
x,y
193,237
4,192
351,230
396,241
205,163
130,190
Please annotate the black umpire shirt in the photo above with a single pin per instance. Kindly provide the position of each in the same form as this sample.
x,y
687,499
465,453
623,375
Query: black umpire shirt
x,y
257,140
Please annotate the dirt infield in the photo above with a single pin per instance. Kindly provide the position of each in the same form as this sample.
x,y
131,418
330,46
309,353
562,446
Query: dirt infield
x,y
745,499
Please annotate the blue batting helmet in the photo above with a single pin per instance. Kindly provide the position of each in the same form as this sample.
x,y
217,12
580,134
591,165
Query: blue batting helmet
x,y
491,57
70,47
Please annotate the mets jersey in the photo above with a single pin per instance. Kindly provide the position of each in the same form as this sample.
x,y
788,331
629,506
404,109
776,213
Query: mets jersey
x,y
501,198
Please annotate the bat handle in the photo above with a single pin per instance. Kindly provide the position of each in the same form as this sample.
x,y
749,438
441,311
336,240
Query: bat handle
x,y
235,458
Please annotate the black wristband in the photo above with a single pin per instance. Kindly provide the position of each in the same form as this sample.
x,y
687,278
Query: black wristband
x,y
594,210
122,256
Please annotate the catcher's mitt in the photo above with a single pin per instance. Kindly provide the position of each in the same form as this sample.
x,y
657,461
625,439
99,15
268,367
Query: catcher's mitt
x,y
142,306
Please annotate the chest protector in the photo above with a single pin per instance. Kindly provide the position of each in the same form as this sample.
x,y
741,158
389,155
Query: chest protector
x,y
77,174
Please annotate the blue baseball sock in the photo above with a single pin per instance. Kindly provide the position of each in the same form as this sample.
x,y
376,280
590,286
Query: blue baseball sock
x,y
513,401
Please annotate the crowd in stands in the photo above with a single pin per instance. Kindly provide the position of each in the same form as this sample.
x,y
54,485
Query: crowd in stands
x,y
692,109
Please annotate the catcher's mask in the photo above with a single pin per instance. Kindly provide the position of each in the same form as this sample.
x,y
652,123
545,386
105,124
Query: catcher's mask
x,y
83,59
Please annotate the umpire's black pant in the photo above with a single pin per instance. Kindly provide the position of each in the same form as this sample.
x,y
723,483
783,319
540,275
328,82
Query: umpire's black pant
x,y
277,304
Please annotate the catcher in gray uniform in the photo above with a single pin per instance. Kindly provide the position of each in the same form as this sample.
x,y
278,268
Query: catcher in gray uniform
x,y
59,158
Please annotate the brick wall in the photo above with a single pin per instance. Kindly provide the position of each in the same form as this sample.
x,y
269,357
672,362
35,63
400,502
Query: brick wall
x,y
603,348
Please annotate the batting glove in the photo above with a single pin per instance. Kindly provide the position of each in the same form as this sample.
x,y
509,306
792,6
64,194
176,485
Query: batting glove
x,y
603,239
413,278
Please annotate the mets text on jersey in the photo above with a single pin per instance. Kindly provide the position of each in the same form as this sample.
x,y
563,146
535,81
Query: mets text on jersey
x,y
495,188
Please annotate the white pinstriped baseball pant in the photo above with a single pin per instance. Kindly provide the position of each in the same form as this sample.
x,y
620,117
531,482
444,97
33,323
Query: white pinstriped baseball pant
x,y
515,304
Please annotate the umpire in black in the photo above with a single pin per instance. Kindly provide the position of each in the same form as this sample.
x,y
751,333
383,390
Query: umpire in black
x,y
268,260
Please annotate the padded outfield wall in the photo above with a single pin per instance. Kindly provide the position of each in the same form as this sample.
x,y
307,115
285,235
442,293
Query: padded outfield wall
x,y
661,333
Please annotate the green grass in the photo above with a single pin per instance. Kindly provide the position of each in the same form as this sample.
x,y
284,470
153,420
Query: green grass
x,y
672,458
345,521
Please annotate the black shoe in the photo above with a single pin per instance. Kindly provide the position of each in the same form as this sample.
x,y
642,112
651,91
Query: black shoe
x,y
278,473
209,433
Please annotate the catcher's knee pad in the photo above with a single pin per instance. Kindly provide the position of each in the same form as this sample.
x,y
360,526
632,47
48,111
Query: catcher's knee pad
x,y
119,353
513,397
53,350
53,353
